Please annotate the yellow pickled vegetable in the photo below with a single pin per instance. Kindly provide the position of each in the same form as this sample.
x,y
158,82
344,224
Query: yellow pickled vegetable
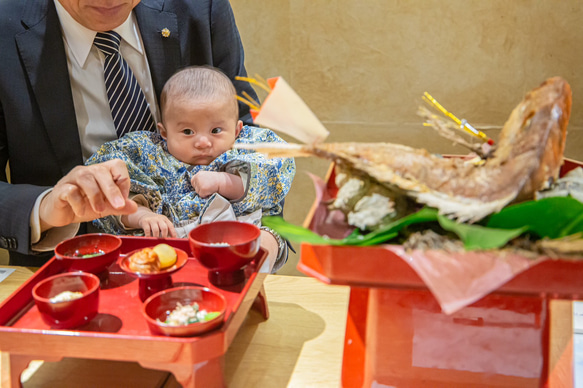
x,y
166,255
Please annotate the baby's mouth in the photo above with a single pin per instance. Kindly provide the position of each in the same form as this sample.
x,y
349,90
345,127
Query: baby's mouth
x,y
203,157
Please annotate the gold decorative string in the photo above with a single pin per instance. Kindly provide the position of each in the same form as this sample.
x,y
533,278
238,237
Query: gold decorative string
x,y
462,124
262,84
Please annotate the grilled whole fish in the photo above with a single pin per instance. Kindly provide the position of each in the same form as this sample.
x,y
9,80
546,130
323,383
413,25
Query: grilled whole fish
x,y
526,159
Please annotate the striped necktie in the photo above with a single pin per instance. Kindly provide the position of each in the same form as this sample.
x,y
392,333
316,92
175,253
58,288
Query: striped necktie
x,y
129,108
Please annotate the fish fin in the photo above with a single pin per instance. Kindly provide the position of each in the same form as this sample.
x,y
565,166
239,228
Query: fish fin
x,y
462,209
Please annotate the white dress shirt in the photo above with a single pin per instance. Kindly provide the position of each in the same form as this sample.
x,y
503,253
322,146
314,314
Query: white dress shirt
x,y
94,120
85,63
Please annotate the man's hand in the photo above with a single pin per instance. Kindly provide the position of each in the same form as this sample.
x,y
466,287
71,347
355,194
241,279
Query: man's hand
x,y
87,193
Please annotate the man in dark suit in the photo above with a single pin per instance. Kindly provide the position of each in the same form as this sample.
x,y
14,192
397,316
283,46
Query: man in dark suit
x,y
51,104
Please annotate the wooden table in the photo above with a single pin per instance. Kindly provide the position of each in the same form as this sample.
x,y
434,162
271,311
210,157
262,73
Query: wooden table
x,y
300,345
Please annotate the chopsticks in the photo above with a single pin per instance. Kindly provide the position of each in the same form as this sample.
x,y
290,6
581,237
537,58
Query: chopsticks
x,y
463,124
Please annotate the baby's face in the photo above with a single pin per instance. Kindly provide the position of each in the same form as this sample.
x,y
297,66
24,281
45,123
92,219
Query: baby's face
x,y
199,131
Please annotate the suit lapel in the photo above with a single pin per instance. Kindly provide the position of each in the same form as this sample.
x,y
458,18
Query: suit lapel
x,y
43,54
163,52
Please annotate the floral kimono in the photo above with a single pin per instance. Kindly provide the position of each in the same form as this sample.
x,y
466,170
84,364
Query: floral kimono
x,y
162,182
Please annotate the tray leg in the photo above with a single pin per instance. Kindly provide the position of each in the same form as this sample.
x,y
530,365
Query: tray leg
x,y
260,303
561,371
353,360
12,366
206,374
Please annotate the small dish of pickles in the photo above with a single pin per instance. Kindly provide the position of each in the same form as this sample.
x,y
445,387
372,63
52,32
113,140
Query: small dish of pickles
x,y
184,311
92,252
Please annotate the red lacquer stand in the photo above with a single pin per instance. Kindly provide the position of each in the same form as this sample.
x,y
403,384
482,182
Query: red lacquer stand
x,y
397,336
119,332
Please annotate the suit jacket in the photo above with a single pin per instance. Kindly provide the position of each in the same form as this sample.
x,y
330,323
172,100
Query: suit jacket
x,y
38,129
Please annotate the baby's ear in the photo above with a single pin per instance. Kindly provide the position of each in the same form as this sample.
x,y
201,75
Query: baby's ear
x,y
162,130
239,128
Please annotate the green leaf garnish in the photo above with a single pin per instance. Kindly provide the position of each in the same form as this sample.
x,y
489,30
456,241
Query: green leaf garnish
x,y
210,316
549,217
480,237
296,233
300,234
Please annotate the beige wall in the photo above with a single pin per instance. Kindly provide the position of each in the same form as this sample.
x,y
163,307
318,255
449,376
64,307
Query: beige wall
x,y
363,66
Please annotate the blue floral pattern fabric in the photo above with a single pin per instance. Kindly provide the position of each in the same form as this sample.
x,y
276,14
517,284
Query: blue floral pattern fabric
x,y
164,181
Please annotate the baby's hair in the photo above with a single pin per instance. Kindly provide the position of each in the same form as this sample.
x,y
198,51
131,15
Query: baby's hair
x,y
198,82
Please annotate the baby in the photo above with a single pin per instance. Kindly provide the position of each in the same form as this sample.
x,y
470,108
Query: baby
x,y
181,172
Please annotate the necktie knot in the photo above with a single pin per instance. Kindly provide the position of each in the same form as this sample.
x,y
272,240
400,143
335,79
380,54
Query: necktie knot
x,y
108,42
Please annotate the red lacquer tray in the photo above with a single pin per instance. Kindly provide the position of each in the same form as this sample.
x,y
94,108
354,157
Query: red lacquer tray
x,y
119,332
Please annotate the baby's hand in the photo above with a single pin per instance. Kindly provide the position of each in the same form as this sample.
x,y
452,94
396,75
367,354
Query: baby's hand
x,y
157,225
206,183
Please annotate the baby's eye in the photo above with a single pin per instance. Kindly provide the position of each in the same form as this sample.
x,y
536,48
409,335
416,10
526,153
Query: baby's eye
x,y
187,131
216,130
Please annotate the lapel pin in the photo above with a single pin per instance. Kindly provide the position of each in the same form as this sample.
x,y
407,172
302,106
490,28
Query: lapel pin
x,y
165,32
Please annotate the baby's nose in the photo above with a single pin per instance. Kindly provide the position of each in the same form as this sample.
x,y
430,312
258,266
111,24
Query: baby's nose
x,y
202,142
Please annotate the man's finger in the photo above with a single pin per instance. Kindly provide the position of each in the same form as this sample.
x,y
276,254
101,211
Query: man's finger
x,y
94,196
114,183
121,177
75,199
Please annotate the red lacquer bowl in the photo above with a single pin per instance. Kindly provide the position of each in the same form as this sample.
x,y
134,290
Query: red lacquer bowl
x,y
72,313
157,307
106,246
225,248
